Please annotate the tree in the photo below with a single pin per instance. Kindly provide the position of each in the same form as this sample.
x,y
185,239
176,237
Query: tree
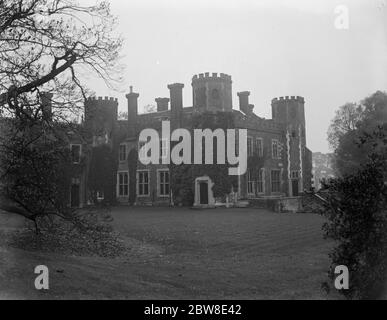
x,y
349,155
35,174
346,120
46,49
102,173
123,115
351,123
46,46
356,210
356,206
149,108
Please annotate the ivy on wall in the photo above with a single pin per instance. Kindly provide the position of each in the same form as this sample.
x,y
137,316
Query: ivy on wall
x,y
101,175
255,163
182,184
183,176
132,165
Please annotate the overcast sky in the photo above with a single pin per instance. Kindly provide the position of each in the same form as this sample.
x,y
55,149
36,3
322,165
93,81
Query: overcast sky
x,y
270,48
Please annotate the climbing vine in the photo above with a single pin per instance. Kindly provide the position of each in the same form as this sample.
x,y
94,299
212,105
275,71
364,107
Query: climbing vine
x,y
183,176
132,165
255,163
101,175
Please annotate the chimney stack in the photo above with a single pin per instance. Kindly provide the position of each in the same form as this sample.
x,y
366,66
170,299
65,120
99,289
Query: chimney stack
x,y
132,111
162,104
176,94
244,102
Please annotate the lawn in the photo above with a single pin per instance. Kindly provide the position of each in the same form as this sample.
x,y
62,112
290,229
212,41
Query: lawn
x,y
179,253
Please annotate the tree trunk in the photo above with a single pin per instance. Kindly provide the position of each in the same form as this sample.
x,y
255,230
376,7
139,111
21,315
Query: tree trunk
x,y
37,230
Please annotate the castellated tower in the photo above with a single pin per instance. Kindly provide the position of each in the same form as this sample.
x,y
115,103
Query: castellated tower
x,y
212,91
101,118
290,114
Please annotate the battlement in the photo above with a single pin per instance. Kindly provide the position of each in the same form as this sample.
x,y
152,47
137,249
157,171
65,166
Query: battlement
x,y
104,99
288,98
211,76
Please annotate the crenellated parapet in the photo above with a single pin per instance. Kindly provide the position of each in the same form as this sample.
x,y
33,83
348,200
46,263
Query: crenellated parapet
x,y
289,110
212,91
207,76
103,99
99,104
288,98
101,114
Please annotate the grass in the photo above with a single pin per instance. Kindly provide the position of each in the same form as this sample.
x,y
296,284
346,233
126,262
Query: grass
x,y
178,253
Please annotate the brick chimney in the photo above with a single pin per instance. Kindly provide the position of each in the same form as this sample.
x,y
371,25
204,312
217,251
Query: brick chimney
x,y
162,104
244,105
132,111
176,95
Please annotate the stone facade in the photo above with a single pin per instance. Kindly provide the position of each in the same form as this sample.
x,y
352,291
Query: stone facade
x,y
286,168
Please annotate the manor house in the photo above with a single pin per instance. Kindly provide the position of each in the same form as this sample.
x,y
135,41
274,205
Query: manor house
x,y
285,168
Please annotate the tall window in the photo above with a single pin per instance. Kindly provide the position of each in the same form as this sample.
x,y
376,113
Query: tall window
x,y
260,181
275,149
163,148
143,183
122,152
275,181
259,143
123,184
163,180
75,153
294,174
250,146
250,183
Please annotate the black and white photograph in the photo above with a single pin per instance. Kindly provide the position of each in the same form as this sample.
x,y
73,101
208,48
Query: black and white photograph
x,y
193,155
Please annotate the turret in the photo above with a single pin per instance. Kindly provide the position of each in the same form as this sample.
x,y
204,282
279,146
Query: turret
x,y
288,109
101,114
289,113
212,91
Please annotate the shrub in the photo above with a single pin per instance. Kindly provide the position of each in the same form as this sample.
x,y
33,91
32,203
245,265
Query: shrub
x,y
88,234
357,221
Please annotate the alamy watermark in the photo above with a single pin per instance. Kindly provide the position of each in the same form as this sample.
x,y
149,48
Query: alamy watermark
x,y
41,281
153,147
342,280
